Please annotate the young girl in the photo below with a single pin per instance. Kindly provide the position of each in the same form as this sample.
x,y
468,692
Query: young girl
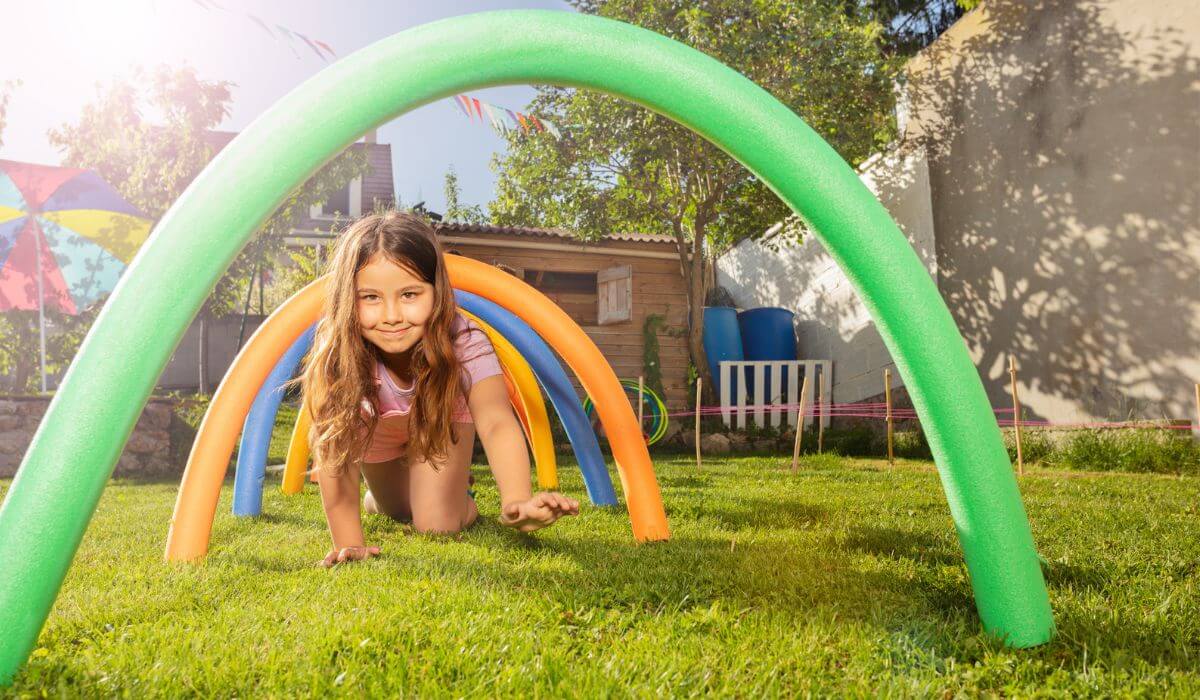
x,y
399,383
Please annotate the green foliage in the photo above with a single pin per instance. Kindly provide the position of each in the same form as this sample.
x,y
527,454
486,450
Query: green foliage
x,y
909,25
307,264
622,167
20,348
6,89
1155,451
845,580
191,408
856,441
1127,450
651,364
18,351
909,444
455,210
1036,445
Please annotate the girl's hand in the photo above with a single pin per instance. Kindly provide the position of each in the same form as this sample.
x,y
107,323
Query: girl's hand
x,y
344,554
538,512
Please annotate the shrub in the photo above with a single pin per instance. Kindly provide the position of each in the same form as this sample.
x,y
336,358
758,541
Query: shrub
x,y
191,407
857,441
910,444
1156,451
1036,445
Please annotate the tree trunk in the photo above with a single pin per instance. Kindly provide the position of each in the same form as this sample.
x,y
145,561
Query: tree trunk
x,y
204,351
697,292
25,361
696,344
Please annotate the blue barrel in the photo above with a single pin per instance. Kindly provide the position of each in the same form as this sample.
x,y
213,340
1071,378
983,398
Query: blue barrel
x,y
722,339
767,334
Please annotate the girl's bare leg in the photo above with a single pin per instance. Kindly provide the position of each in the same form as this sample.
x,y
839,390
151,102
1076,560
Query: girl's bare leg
x,y
438,497
387,484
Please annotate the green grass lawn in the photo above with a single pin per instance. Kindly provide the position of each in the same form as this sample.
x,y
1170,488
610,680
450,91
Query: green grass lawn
x,y
843,579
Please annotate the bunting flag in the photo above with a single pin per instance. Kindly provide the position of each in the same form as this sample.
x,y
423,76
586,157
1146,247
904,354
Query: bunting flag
x,y
323,50
473,107
463,105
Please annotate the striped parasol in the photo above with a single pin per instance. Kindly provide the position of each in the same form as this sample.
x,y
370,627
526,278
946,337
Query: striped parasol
x,y
65,238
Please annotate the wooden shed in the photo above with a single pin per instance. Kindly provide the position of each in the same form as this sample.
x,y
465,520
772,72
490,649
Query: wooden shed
x,y
610,287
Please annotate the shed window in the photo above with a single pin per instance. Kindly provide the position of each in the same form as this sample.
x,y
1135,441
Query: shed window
x,y
575,292
615,295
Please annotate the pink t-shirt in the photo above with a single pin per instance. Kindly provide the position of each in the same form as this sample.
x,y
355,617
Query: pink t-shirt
x,y
478,360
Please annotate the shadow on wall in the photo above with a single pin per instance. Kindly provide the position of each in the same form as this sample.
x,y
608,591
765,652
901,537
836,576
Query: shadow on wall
x,y
1063,155
831,321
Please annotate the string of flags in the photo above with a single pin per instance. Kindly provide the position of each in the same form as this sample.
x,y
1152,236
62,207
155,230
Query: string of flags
x,y
503,120
277,31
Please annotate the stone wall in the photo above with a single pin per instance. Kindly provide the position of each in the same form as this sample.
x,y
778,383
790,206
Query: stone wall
x,y
158,446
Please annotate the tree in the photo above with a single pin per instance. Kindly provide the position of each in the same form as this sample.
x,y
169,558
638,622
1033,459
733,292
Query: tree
x,y
454,210
621,167
150,162
6,89
910,25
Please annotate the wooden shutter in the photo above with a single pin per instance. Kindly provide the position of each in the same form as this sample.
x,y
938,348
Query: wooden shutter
x,y
614,289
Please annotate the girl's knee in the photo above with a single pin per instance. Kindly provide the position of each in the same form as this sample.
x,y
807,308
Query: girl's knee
x,y
371,506
446,522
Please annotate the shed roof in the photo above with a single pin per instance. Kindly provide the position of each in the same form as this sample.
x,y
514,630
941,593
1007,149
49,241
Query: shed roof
x,y
457,227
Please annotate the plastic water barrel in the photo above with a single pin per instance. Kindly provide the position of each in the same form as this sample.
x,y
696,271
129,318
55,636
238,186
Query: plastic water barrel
x,y
722,339
767,334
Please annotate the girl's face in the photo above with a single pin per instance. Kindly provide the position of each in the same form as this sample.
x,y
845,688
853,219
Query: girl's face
x,y
393,305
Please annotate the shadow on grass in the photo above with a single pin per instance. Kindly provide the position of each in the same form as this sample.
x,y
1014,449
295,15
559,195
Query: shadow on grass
x,y
745,512
901,544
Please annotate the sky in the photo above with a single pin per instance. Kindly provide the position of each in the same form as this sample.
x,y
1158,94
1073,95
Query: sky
x,y
62,50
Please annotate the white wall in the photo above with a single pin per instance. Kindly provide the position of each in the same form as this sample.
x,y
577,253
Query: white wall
x,y
831,322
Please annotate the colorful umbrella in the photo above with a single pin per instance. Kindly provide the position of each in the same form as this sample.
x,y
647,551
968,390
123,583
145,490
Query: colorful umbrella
x,y
65,238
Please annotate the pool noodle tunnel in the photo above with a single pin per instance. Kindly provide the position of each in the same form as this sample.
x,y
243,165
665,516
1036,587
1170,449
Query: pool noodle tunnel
x,y
195,505
526,345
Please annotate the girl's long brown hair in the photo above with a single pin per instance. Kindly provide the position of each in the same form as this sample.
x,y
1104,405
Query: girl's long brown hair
x,y
339,371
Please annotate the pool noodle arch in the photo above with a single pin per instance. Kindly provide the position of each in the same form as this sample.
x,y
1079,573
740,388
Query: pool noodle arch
x,y
558,387
256,429
296,466
166,283
541,442
658,409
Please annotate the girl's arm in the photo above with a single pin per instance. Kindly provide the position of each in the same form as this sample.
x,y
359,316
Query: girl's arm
x,y
504,443
339,496
502,438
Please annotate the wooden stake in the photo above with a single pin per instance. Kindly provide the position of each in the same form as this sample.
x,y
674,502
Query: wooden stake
x,y
1012,373
641,394
699,383
887,396
821,416
1197,432
799,426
